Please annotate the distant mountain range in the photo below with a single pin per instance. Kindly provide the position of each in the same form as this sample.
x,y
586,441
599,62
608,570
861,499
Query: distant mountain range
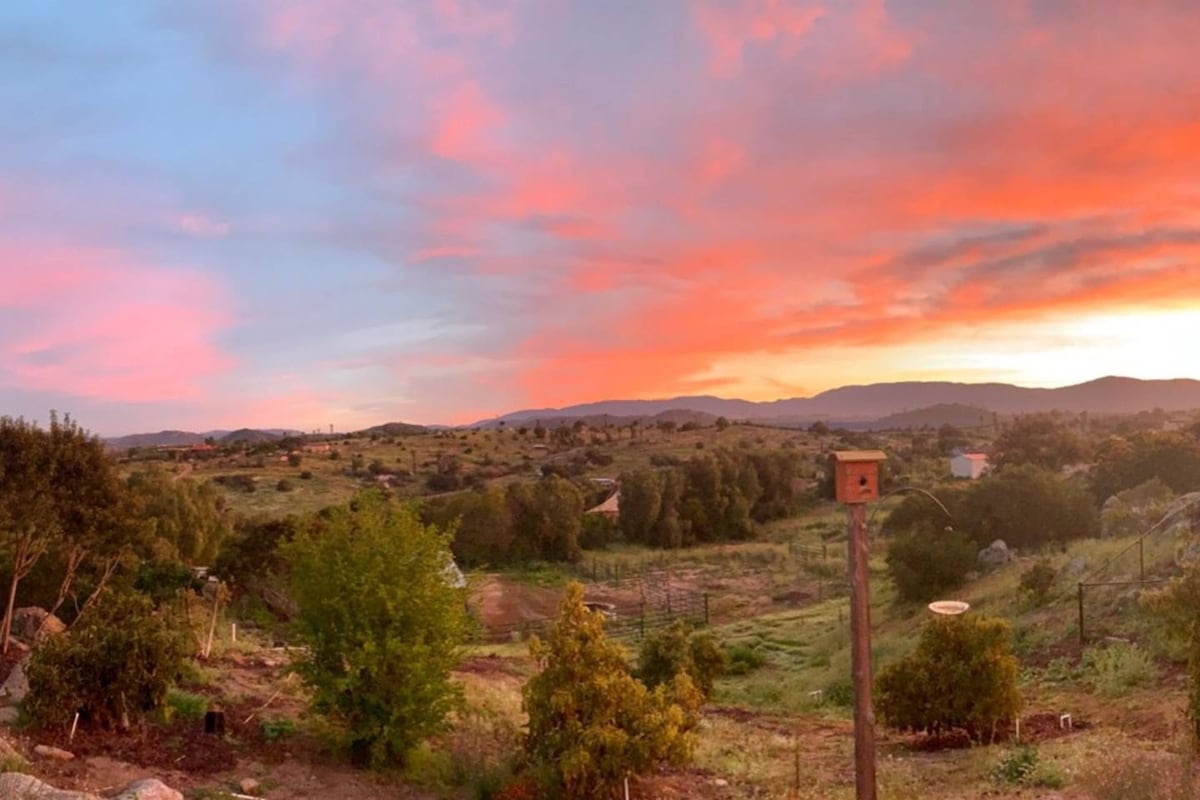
x,y
880,400
877,406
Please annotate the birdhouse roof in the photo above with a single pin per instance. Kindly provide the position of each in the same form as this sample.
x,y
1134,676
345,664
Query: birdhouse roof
x,y
859,455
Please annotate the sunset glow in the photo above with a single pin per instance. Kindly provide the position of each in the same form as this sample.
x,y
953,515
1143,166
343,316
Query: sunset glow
x,y
314,212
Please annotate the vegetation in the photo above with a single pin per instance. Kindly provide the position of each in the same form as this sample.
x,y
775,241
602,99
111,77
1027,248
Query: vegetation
x,y
962,676
115,664
591,722
382,622
925,565
678,650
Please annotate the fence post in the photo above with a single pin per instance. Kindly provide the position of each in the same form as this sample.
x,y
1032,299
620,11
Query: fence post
x,y
1081,613
1142,558
706,608
642,619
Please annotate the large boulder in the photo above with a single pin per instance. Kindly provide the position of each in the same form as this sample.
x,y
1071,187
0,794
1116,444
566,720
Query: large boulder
x,y
147,789
15,687
995,554
35,625
26,787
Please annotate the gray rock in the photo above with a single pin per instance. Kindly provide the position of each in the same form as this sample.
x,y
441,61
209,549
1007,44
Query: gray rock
x,y
995,554
148,789
19,786
9,715
16,687
1076,566
249,786
33,624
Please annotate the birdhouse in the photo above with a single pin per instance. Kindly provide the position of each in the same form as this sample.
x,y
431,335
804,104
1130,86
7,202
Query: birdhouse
x,y
856,475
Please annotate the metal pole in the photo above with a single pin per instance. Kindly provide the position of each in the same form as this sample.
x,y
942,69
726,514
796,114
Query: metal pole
x,y
860,654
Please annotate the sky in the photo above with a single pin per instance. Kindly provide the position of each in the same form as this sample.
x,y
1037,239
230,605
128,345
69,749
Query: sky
x,y
217,213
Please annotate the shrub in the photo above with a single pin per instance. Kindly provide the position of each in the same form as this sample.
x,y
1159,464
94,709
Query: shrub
x,y
924,565
678,651
382,622
1036,582
1017,765
591,723
284,485
185,705
962,676
742,659
305,475
116,662
1116,668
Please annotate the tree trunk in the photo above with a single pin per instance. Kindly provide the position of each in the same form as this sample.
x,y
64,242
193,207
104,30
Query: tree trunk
x,y
6,629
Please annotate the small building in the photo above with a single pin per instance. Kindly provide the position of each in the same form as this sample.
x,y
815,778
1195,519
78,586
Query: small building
x,y
969,465
610,508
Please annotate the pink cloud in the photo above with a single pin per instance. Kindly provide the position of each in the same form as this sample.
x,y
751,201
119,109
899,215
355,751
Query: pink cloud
x,y
731,27
202,226
94,324
465,117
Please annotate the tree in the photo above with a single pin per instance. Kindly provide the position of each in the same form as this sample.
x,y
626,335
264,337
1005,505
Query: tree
x,y
1040,440
678,650
57,490
641,505
116,661
382,621
1124,463
1177,606
925,563
591,723
186,516
1027,506
962,676
721,423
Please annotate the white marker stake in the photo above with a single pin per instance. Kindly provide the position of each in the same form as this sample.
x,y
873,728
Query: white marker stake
x,y
233,631
1018,737
74,724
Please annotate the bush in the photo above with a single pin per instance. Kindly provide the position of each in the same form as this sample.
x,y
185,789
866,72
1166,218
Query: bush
x,y
678,651
284,485
1036,582
742,659
962,676
1116,668
185,705
305,475
591,723
924,565
382,621
116,662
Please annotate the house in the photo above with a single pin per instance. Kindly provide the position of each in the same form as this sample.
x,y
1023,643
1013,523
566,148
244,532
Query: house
x,y
969,465
610,508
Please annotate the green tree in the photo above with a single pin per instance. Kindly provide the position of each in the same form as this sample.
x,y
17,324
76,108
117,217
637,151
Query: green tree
x,y
382,621
925,563
1039,439
1177,605
58,491
678,650
187,517
641,505
1124,463
1027,506
962,676
117,661
591,723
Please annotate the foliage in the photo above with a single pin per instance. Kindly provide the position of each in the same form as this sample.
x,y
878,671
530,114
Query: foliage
x,y
382,623
1177,605
1126,462
275,729
1041,440
678,650
591,723
1134,775
962,676
1017,765
1027,506
1037,581
1118,667
185,516
742,659
925,564
185,705
117,661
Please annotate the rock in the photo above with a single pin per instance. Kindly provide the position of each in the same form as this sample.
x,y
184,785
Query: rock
x,y
1076,566
46,751
995,554
33,624
27,787
720,782
148,789
249,786
16,687
9,715
1188,553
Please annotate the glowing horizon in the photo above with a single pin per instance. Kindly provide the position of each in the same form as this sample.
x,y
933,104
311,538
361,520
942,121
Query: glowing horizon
x,y
298,213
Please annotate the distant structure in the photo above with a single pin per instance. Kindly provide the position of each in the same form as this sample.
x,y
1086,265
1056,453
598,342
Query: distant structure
x,y
610,508
969,465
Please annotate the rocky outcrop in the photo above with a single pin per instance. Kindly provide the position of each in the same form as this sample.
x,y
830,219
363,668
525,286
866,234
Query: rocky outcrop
x,y
27,787
35,625
996,554
148,789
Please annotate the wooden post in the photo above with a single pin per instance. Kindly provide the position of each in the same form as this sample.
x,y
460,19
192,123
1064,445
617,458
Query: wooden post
x,y
860,654
706,608
1081,613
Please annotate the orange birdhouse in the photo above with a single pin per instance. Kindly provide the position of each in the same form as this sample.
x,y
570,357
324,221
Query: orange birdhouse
x,y
856,475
